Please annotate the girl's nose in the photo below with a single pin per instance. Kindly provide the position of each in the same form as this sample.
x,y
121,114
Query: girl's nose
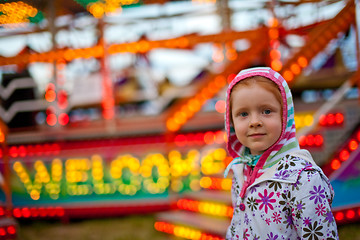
x,y
255,121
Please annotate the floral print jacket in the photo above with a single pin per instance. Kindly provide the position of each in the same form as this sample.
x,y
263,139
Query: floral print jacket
x,y
291,200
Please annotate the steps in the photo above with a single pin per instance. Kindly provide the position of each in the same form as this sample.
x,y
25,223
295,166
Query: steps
x,y
199,215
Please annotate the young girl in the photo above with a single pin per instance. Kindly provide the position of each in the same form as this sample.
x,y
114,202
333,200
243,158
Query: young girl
x,y
278,191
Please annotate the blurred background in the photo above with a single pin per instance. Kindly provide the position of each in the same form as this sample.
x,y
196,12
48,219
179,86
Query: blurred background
x,y
112,110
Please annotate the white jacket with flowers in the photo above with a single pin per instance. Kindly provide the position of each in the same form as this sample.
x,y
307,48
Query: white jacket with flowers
x,y
290,200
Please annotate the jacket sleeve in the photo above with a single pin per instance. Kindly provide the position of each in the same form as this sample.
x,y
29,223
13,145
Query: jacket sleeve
x,y
311,206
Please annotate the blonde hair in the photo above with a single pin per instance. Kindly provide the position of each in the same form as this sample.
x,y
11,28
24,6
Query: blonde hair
x,y
263,82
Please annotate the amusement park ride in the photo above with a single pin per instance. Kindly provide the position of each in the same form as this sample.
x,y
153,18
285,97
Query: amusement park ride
x,y
118,163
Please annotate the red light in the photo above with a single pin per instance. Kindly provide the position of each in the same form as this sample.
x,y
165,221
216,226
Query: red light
x,y
46,149
350,214
26,212
199,138
38,149
30,150
2,211
310,140
42,212
180,140
323,120
34,212
330,119
353,145
2,232
11,230
344,155
190,138
22,151
335,164
63,119
302,141
339,118
17,212
50,110
62,99
51,119
319,140
339,216
51,211
13,152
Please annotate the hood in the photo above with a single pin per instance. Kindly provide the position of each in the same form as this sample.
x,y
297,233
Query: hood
x,y
287,141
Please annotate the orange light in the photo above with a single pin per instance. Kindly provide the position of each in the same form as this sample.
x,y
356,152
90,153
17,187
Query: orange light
x,y
220,137
288,75
220,81
172,125
2,136
273,33
194,105
276,65
209,138
353,145
273,22
275,54
302,61
335,164
50,95
295,69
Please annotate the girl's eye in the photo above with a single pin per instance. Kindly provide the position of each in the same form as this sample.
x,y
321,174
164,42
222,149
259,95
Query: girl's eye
x,y
243,114
267,111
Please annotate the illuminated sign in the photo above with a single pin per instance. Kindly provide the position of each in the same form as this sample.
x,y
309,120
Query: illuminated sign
x,y
95,178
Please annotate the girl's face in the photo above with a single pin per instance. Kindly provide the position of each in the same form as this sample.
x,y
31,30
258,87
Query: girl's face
x,y
256,115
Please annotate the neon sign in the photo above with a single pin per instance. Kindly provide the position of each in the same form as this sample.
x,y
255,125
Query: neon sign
x,y
122,177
